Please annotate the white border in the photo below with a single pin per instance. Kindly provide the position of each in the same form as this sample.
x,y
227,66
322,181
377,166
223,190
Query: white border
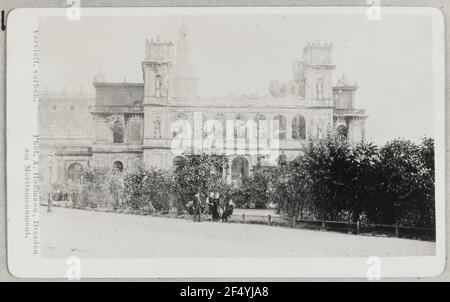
x,y
22,124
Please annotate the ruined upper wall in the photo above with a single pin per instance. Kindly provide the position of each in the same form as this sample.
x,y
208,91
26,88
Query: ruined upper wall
x,y
119,94
317,54
158,51
65,116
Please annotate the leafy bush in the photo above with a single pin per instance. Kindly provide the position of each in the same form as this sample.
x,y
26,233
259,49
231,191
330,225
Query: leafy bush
x,y
405,188
199,173
291,189
331,180
255,188
327,164
102,187
149,190
334,180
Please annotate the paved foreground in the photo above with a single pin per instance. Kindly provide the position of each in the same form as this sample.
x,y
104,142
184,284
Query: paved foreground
x,y
88,234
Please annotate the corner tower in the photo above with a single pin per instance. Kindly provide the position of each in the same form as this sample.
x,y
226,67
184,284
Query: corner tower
x,y
344,94
156,69
318,71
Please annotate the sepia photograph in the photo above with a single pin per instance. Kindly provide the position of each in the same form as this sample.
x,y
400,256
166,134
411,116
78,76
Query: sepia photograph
x,y
226,135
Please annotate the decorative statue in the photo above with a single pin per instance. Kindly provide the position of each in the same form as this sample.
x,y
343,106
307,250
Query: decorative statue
x,y
116,120
157,128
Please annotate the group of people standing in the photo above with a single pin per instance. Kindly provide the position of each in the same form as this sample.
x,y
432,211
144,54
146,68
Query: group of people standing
x,y
219,208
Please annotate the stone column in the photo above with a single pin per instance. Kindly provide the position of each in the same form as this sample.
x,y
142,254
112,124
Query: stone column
x,y
289,127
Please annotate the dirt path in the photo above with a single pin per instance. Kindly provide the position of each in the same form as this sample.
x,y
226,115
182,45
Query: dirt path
x,y
88,234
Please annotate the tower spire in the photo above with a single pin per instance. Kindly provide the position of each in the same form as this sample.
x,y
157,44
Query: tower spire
x,y
184,75
182,31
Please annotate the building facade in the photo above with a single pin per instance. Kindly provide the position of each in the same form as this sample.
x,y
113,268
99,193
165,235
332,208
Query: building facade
x,y
130,125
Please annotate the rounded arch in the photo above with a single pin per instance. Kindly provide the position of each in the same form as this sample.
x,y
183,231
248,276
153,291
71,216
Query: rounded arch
x,y
158,85
204,120
281,127
179,121
240,127
221,117
179,116
217,127
239,169
118,166
260,117
299,127
261,125
75,173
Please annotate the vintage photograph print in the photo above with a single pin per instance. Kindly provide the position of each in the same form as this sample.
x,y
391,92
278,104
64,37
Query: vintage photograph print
x,y
226,142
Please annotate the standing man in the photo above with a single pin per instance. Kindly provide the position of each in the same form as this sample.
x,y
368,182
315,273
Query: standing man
x,y
228,210
213,205
216,206
197,204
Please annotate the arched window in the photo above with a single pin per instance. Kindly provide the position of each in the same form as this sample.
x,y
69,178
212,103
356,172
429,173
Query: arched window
x,y
298,127
261,127
240,127
342,131
118,133
223,120
281,126
217,128
75,173
177,127
158,85
204,120
239,170
118,166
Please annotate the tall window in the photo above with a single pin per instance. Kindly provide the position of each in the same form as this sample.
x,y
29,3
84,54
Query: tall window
x,y
134,131
240,127
75,173
223,120
118,132
299,127
177,127
319,88
219,130
281,126
158,85
204,120
260,126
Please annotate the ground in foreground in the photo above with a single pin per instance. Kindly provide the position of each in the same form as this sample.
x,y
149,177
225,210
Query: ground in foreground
x,y
88,234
